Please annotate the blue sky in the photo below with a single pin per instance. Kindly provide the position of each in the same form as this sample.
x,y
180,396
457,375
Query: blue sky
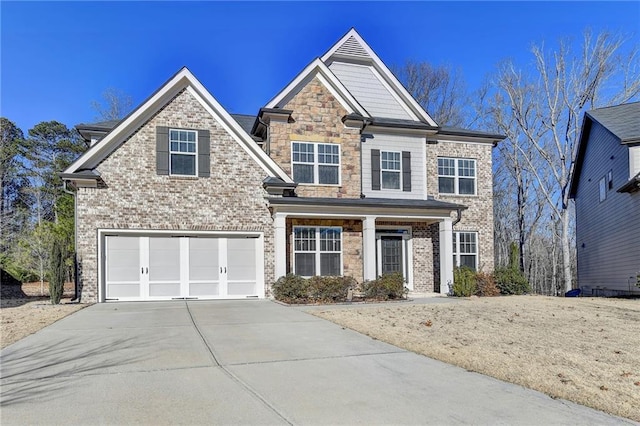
x,y
56,57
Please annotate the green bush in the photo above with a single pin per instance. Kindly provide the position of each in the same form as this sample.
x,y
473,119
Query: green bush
x,y
291,289
486,285
57,273
386,287
464,282
330,289
511,281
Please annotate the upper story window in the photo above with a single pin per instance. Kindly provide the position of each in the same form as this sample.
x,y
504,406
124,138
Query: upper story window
x,y
390,170
457,176
316,163
317,251
183,152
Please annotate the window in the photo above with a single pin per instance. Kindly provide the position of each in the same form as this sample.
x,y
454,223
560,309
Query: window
x,y
610,179
390,170
602,187
456,176
316,163
465,249
183,152
317,251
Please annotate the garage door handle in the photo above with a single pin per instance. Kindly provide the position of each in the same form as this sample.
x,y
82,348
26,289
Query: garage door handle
x,y
225,269
146,271
142,270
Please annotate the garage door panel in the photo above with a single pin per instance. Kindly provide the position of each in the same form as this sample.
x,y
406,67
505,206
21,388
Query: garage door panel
x,y
241,259
121,290
204,289
241,288
204,262
164,259
164,289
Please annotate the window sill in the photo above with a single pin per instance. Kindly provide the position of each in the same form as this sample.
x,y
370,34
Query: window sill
x,y
320,184
183,177
458,195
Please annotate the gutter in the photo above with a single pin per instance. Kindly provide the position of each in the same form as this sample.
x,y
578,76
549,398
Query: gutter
x,y
459,210
76,293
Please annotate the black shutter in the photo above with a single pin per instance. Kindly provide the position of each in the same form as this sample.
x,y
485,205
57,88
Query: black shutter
x,y
375,169
162,150
204,153
406,171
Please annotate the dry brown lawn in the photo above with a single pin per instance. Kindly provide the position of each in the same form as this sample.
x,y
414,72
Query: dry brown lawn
x,y
585,350
32,311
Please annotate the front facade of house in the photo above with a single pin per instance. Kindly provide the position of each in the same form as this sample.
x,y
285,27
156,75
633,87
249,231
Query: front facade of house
x,y
606,190
341,173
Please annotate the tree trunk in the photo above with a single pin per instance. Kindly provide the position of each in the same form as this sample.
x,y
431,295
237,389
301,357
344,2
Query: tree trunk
x,y
566,251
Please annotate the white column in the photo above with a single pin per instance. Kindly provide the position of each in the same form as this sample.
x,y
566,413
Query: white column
x,y
369,247
446,255
280,244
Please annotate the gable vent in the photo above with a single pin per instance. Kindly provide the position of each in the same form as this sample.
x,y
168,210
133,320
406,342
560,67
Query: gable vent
x,y
351,47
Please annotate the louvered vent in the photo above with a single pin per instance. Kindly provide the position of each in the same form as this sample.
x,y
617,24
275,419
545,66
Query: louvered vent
x,y
351,47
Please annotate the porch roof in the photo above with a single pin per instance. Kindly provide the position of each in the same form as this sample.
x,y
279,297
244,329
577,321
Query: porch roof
x,y
382,203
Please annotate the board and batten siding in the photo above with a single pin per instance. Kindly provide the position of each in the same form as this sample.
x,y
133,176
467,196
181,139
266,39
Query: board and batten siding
x,y
367,88
397,143
607,232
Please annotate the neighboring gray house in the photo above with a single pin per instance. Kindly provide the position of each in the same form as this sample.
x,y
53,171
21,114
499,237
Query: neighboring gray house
x,y
341,173
606,190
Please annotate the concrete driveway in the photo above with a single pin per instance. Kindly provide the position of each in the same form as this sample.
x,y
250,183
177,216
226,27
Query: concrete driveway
x,y
246,362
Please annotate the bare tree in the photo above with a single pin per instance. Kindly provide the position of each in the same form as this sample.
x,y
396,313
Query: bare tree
x,y
543,111
438,89
115,104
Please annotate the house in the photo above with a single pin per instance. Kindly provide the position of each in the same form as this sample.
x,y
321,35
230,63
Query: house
x,y
341,173
606,190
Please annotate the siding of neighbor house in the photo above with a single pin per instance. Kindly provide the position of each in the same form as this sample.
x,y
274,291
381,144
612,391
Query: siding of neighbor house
x,y
609,230
135,197
367,88
399,143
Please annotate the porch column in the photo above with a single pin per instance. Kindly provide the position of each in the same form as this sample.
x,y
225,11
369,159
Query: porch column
x,y
280,244
369,247
446,255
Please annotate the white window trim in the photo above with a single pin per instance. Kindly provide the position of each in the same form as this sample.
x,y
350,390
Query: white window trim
x,y
456,177
316,164
602,189
399,171
317,251
456,248
195,154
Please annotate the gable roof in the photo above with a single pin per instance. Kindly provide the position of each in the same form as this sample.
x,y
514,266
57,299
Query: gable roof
x,y
318,69
182,80
353,47
623,121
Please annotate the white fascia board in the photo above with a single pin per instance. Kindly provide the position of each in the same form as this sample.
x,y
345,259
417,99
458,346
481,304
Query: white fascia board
x,y
327,78
407,98
232,127
466,139
355,212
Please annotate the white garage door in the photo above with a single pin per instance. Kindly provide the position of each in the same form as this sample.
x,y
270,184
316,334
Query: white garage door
x,y
164,268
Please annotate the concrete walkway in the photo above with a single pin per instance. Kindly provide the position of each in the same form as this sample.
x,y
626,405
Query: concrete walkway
x,y
246,362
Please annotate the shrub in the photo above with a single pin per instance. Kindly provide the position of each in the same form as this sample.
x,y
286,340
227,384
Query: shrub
x,y
464,282
330,289
511,281
57,272
386,287
486,284
291,288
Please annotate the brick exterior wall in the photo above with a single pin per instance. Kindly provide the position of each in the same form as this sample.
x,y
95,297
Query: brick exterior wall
x,y
317,116
479,215
135,197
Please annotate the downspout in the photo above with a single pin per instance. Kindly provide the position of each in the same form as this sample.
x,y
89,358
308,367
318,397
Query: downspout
x,y
267,136
455,222
76,296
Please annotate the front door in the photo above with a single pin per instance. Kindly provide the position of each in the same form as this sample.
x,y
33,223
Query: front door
x,y
391,254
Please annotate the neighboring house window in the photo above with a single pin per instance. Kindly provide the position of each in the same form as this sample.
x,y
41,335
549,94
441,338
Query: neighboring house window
x,y
183,152
457,176
465,249
316,163
610,179
390,169
602,186
317,251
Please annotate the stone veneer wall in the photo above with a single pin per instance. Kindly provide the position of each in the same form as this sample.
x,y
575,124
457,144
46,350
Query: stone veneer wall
x,y
351,243
135,197
318,118
479,215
